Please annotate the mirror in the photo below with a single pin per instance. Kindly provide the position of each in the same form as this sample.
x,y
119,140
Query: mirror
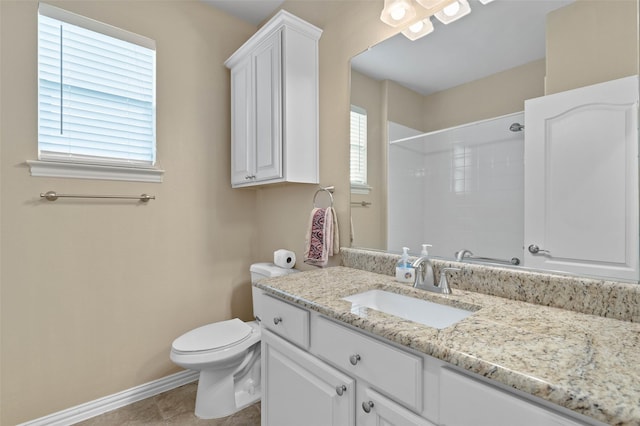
x,y
464,77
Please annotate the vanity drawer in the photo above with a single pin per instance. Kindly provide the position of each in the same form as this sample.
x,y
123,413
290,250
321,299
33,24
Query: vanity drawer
x,y
286,320
384,367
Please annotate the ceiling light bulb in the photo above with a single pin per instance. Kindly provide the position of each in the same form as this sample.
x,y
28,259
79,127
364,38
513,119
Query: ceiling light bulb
x,y
453,12
397,13
417,27
452,9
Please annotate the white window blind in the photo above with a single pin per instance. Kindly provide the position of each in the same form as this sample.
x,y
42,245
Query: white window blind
x,y
96,92
358,146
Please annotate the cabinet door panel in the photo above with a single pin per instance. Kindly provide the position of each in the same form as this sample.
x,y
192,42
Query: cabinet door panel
x,y
268,109
581,180
299,389
385,412
465,401
243,146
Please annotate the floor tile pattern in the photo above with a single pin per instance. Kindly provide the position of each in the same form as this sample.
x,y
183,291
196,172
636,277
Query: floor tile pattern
x,y
174,407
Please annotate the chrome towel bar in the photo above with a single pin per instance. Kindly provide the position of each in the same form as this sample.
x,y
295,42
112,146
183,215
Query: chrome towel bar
x,y
53,195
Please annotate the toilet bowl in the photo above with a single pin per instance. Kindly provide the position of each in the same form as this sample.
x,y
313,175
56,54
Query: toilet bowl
x,y
227,354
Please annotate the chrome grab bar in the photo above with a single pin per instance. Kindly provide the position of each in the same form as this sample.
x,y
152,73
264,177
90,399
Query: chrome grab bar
x,y
466,254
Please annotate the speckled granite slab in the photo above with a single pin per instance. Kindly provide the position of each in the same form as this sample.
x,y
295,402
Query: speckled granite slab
x,y
585,363
608,299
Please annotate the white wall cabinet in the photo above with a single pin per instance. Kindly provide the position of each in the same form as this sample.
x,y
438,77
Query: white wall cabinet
x,y
274,104
581,181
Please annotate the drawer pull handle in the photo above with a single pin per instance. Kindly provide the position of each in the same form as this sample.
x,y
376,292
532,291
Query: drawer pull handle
x,y
353,359
277,320
341,389
367,406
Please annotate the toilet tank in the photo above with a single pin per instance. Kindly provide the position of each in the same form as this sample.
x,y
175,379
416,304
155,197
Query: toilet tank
x,y
268,270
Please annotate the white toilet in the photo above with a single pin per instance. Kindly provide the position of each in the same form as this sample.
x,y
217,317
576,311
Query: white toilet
x,y
227,354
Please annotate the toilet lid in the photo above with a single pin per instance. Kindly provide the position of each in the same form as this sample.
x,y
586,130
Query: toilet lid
x,y
213,336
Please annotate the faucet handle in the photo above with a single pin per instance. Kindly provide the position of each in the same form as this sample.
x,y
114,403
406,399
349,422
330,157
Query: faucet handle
x,y
444,284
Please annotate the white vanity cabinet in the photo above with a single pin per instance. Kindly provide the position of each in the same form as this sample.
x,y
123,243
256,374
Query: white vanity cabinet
x,y
298,389
274,104
581,181
345,378
465,401
318,371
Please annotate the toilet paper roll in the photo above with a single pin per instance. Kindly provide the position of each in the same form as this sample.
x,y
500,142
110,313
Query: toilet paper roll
x,y
284,258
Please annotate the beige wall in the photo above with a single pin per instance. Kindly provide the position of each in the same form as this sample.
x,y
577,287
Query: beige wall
x,y
592,42
368,93
93,293
498,94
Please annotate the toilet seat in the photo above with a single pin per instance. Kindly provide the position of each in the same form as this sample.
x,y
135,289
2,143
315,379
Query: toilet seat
x,y
212,337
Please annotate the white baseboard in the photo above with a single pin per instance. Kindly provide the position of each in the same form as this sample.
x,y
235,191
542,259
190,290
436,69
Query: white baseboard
x,y
117,400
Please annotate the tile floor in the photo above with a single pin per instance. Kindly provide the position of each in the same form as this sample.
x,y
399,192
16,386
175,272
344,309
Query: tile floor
x,y
174,407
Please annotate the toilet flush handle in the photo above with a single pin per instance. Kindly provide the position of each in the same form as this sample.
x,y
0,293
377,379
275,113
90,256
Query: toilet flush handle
x,y
277,320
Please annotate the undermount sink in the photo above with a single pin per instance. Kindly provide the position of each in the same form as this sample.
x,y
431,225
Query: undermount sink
x,y
417,310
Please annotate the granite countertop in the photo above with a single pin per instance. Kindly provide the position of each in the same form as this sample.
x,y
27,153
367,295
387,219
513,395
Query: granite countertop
x,y
586,363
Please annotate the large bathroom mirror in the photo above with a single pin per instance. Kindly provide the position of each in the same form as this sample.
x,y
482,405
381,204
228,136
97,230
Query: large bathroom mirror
x,y
444,115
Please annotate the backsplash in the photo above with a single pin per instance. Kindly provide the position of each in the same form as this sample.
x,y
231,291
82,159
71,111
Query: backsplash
x,y
610,299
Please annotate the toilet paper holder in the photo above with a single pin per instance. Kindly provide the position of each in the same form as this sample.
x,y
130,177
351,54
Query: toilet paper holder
x,y
328,189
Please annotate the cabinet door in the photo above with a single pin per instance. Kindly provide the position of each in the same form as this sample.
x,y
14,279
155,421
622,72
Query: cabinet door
x,y
242,130
465,401
581,181
298,389
377,410
268,108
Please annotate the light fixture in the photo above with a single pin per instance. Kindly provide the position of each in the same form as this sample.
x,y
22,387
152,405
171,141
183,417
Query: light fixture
x,y
431,4
453,12
397,12
418,29
485,1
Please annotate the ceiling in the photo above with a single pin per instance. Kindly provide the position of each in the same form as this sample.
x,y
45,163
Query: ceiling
x,y
492,38
252,11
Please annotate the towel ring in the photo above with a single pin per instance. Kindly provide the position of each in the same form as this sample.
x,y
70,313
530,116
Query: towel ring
x,y
329,190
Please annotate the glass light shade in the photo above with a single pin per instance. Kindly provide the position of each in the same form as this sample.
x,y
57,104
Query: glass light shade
x,y
397,12
430,4
419,29
485,1
453,12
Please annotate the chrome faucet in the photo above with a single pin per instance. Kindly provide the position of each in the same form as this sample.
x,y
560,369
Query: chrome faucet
x,y
460,255
443,285
425,277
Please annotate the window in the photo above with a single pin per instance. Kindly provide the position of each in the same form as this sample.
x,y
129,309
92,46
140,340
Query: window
x,y
358,164
96,96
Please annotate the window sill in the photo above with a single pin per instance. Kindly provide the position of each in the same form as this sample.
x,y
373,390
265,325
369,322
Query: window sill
x,y
357,188
93,171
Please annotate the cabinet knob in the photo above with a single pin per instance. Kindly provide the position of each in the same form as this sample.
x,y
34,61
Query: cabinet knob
x,y
534,249
353,359
277,320
341,389
367,406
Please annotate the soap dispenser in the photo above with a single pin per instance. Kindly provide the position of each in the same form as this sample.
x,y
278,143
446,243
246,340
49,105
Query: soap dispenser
x,y
405,272
429,275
